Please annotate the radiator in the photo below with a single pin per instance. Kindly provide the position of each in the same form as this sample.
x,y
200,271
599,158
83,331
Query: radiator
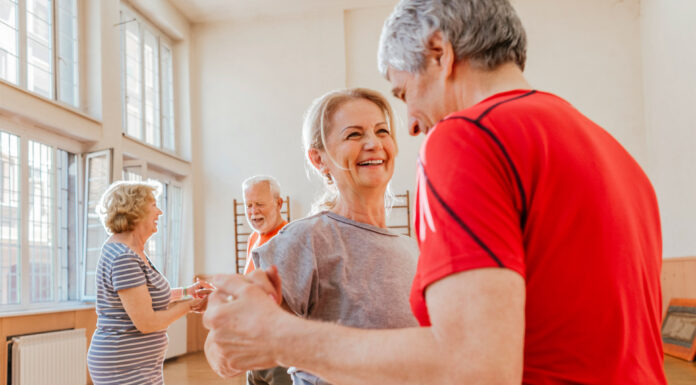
x,y
57,358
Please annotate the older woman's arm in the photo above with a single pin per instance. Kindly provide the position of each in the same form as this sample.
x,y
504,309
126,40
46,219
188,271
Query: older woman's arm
x,y
138,304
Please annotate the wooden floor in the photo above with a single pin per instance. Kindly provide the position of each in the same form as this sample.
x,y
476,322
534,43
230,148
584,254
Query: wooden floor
x,y
680,372
193,369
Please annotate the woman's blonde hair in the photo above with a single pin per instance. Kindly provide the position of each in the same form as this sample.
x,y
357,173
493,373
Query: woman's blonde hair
x,y
124,204
315,127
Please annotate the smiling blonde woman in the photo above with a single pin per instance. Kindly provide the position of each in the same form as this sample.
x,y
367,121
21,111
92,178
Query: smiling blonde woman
x,y
134,301
342,264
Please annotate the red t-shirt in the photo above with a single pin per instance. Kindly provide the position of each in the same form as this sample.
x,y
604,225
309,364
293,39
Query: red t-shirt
x,y
524,181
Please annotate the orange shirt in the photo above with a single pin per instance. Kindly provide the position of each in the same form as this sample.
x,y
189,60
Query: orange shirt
x,y
256,240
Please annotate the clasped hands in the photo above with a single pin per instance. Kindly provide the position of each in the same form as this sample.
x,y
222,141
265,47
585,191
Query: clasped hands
x,y
199,290
242,316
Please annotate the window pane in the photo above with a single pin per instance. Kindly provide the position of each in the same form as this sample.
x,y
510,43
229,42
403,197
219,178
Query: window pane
x,y
41,224
132,174
152,113
39,29
132,76
68,87
174,255
97,180
39,81
68,90
157,242
10,257
66,170
8,13
8,41
40,8
168,135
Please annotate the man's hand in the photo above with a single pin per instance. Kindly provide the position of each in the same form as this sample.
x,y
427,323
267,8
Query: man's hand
x,y
243,315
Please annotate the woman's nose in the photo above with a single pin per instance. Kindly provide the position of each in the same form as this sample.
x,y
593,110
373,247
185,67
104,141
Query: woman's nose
x,y
372,142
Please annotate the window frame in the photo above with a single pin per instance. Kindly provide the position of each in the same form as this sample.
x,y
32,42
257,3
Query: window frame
x,y
56,142
128,14
23,54
85,219
167,181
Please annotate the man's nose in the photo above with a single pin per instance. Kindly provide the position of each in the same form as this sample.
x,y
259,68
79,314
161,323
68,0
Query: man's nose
x,y
413,127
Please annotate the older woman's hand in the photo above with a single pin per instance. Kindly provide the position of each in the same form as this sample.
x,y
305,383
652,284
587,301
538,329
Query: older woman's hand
x,y
242,317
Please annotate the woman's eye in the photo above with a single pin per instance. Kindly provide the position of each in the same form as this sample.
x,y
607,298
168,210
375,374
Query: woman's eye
x,y
383,131
353,135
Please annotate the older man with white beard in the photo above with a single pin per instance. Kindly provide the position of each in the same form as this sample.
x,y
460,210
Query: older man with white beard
x,y
262,204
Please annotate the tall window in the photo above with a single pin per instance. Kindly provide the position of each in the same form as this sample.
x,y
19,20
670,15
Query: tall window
x,y
164,247
97,180
147,79
10,220
36,36
40,267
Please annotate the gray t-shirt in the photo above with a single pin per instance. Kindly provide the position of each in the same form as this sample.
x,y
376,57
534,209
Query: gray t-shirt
x,y
339,270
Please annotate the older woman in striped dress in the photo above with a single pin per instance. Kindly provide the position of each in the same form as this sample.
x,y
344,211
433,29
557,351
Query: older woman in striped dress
x,y
135,303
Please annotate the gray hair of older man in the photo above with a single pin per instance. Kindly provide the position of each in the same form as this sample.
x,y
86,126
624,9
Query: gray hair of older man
x,y
256,179
486,32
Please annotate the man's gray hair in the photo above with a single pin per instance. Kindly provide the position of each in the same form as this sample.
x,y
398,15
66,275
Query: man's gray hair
x,y
256,179
487,32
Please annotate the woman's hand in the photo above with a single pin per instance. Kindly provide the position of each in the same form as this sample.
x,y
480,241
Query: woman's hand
x,y
199,289
198,305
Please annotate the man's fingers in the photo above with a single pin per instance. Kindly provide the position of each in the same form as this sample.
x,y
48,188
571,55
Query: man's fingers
x,y
262,280
274,278
226,282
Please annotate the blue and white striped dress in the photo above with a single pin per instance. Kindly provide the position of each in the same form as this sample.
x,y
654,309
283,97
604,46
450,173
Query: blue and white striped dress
x,y
119,353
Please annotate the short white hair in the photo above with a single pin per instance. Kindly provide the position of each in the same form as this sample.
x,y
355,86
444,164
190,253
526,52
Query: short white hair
x,y
256,179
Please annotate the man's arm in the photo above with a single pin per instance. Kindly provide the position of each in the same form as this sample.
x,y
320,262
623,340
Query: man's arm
x,y
476,337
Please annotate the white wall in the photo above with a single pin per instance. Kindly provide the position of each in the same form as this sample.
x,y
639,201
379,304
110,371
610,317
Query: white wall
x,y
589,53
669,61
253,80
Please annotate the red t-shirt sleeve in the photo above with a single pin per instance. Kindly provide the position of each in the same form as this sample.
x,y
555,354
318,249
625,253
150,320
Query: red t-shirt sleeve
x,y
468,206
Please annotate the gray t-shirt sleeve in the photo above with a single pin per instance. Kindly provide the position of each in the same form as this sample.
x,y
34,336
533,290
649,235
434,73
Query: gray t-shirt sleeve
x,y
293,252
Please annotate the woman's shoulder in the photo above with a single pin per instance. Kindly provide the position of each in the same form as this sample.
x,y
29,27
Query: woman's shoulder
x,y
114,251
311,223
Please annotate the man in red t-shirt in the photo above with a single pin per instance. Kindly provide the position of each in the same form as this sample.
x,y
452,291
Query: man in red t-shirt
x,y
539,234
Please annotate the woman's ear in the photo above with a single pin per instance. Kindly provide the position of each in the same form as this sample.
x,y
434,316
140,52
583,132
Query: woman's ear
x,y
317,159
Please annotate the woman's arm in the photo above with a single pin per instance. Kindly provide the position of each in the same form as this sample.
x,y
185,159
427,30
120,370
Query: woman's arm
x,y
138,305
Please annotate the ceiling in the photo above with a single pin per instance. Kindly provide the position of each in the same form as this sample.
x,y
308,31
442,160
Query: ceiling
x,y
203,11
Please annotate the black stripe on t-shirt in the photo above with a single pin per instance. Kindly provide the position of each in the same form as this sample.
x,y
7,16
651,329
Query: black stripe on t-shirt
x,y
457,219
489,132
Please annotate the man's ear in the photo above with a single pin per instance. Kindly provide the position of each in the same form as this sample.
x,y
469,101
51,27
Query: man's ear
x,y
441,52
279,201
316,157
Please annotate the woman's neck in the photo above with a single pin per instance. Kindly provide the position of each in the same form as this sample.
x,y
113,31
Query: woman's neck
x,y
365,207
134,239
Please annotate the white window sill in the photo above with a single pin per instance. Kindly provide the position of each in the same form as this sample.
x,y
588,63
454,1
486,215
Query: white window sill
x,y
56,116
43,309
